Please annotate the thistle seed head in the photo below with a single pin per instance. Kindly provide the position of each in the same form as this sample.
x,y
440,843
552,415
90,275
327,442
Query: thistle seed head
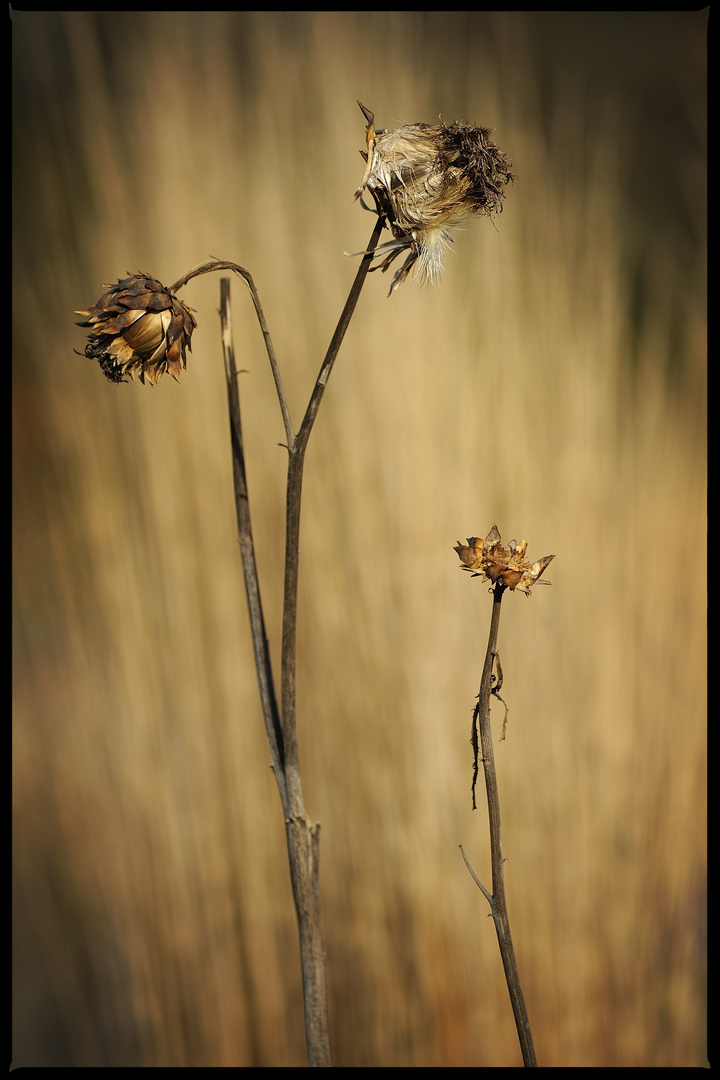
x,y
138,327
425,179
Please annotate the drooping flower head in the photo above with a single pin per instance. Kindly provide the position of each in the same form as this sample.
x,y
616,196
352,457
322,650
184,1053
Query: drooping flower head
x,y
138,327
425,179
502,565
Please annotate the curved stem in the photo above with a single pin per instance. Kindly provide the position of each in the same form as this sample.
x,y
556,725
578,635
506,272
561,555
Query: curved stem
x,y
220,264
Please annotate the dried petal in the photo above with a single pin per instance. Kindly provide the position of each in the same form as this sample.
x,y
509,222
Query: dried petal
x,y
471,555
493,537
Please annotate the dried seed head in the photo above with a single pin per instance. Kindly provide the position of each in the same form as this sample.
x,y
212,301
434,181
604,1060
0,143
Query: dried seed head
x,y
138,327
425,179
491,561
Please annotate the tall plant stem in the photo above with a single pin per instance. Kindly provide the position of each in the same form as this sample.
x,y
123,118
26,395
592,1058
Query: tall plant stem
x,y
302,836
497,900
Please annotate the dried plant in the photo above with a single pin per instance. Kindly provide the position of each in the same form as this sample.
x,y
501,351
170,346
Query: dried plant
x,y
506,568
138,327
490,560
424,180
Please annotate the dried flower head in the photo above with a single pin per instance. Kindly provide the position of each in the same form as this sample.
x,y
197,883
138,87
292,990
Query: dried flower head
x,y
425,179
502,565
138,327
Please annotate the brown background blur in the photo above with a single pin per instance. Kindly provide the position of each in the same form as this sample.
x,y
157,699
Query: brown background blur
x,y
553,384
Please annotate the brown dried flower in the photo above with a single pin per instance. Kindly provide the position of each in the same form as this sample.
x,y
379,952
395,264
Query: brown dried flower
x,y
138,327
425,179
502,565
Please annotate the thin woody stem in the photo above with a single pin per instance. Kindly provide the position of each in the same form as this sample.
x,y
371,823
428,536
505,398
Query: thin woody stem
x,y
302,836
263,667
497,901
294,496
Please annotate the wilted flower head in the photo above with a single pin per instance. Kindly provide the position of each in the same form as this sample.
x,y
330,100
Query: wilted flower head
x,y
425,179
138,327
507,565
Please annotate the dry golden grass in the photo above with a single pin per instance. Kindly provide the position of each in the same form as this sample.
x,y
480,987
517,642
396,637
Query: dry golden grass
x,y
554,384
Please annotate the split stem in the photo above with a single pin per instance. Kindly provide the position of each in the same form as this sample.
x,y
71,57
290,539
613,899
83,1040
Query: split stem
x,y
302,835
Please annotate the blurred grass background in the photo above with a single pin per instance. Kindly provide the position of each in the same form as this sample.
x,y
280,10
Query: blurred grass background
x,y
554,384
